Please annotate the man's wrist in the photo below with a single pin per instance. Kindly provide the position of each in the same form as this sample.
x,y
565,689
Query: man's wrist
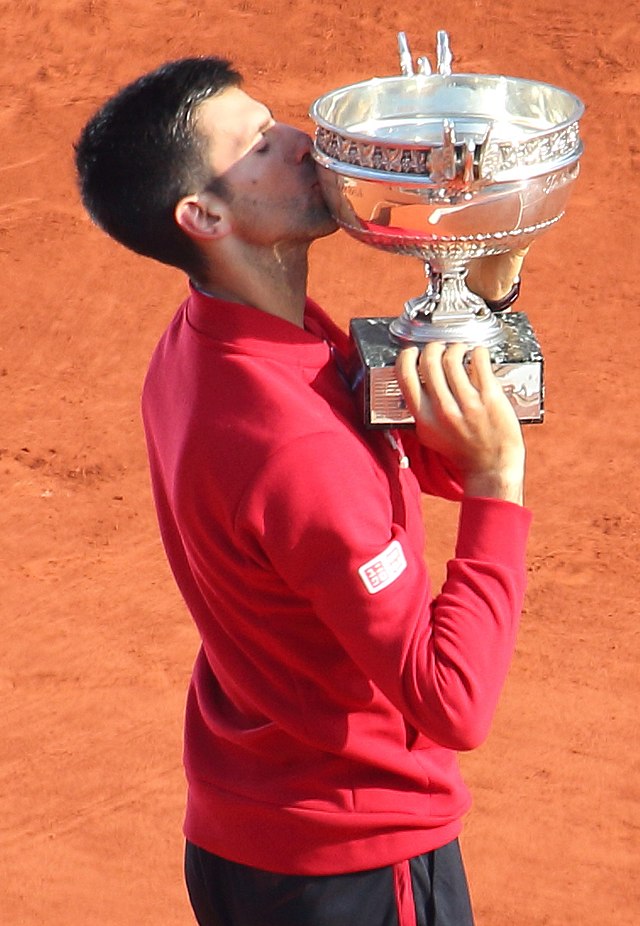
x,y
501,305
508,487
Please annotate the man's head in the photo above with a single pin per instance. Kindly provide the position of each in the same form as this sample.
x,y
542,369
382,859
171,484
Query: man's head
x,y
183,157
141,153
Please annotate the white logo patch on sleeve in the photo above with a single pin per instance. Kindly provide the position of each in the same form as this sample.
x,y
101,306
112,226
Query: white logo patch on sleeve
x,y
383,569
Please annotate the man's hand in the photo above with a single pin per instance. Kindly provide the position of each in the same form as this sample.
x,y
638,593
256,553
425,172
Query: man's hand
x,y
462,412
492,277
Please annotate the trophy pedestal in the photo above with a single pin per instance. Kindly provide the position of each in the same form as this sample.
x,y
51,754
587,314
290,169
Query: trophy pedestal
x,y
517,362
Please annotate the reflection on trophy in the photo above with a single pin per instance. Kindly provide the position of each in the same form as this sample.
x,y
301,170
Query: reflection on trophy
x,y
447,167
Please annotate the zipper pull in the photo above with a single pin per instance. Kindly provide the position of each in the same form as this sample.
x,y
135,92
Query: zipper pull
x,y
403,459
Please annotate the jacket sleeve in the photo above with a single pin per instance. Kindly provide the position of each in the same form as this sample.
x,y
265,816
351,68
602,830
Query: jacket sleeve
x,y
322,513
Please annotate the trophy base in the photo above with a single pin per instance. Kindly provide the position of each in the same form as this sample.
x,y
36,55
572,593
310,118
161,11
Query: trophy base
x,y
517,362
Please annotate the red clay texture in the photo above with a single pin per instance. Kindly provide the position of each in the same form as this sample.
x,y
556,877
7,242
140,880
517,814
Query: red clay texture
x,y
97,645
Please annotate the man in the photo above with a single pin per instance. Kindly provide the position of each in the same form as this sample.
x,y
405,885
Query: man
x,y
332,689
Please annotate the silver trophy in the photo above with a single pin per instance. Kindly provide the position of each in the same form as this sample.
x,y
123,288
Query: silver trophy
x,y
447,167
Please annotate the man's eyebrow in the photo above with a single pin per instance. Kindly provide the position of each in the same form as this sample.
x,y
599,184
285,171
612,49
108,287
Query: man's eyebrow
x,y
267,122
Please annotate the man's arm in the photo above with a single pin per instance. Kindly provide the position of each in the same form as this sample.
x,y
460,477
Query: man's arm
x,y
321,513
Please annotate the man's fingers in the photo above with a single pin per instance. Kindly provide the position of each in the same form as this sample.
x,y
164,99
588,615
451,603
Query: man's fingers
x,y
406,364
437,373
422,379
430,365
482,375
408,378
444,378
479,367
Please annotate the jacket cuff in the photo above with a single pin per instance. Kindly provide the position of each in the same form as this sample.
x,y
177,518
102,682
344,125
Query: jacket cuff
x,y
493,530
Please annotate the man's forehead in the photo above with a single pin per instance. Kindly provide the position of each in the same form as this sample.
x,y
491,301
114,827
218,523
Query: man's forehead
x,y
232,113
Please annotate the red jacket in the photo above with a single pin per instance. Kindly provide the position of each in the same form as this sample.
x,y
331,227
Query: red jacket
x,y
332,690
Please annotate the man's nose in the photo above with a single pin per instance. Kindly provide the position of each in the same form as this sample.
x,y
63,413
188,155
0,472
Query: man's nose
x,y
297,144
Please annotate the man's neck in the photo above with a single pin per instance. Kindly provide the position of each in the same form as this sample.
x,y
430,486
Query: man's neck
x,y
274,281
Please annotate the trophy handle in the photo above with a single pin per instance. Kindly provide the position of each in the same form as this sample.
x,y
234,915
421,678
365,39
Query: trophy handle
x,y
406,61
443,53
444,58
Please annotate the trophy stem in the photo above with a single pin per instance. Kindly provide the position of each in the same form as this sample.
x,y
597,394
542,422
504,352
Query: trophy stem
x,y
447,311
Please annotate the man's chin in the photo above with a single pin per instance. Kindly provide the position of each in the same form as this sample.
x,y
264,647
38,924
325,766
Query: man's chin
x,y
330,227
326,224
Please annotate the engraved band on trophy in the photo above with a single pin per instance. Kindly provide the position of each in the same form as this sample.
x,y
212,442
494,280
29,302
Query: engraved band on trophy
x,y
447,167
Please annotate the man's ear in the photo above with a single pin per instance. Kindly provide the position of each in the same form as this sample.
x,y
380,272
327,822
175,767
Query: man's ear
x,y
202,215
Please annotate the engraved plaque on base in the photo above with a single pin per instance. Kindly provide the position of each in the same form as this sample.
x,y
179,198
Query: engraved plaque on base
x,y
517,362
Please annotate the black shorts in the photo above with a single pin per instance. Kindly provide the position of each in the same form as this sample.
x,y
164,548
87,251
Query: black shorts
x,y
429,890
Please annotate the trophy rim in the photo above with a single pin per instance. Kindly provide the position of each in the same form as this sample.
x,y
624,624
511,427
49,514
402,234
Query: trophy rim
x,y
320,120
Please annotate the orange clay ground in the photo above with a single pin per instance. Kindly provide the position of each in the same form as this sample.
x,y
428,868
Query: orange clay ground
x,y
97,645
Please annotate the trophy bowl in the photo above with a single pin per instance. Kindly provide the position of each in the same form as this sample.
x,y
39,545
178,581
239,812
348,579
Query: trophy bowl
x,y
448,167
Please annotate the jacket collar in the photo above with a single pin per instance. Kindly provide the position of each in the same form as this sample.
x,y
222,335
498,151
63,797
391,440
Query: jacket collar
x,y
249,330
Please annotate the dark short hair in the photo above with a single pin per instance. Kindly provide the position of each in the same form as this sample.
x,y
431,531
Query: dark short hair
x,y
141,153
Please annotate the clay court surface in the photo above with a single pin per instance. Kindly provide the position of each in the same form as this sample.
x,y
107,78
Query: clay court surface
x,y
97,646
